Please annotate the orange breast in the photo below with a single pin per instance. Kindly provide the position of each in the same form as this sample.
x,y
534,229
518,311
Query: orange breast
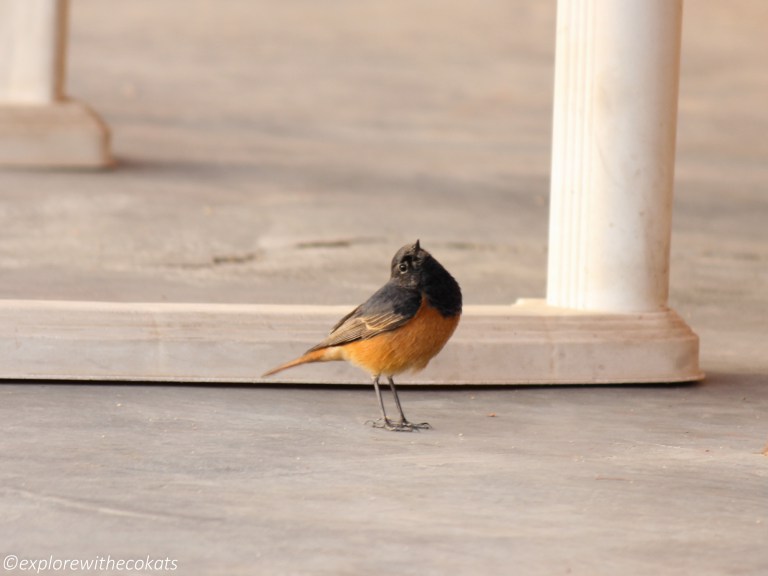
x,y
409,347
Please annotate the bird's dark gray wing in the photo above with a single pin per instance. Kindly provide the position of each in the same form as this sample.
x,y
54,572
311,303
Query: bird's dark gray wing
x,y
389,308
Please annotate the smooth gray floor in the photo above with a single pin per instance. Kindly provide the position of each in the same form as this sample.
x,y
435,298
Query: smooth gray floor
x,y
280,152
647,480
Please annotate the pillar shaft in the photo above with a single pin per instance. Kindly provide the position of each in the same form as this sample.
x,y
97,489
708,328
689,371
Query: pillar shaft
x,y
615,115
32,51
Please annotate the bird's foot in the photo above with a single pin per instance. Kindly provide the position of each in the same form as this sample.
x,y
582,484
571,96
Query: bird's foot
x,y
406,426
402,426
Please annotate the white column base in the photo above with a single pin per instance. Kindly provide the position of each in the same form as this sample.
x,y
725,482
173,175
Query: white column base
x,y
527,343
64,134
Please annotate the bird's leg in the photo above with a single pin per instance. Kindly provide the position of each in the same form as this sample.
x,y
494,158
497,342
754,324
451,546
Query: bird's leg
x,y
382,422
397,399
403,425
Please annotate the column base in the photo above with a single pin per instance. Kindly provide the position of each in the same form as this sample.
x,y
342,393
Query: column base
x,y
527,343
64,134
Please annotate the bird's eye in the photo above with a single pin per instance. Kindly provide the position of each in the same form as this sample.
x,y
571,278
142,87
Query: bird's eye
x,y
403,267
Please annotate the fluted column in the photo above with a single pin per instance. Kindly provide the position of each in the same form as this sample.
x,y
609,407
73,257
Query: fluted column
x,y
615,114
39,125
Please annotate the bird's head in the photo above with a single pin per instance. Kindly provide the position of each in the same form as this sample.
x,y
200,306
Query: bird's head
x,y
408,265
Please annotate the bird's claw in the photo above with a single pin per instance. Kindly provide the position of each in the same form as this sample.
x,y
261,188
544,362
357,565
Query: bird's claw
x,y
402,426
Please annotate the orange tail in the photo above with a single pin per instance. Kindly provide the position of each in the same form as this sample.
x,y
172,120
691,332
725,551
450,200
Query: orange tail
x,y
321,355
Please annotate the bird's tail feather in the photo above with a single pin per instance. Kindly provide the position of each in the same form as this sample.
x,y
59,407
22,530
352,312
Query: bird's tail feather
x,y
311,356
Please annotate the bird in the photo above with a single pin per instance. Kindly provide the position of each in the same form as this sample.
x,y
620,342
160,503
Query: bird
x,y
400,328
